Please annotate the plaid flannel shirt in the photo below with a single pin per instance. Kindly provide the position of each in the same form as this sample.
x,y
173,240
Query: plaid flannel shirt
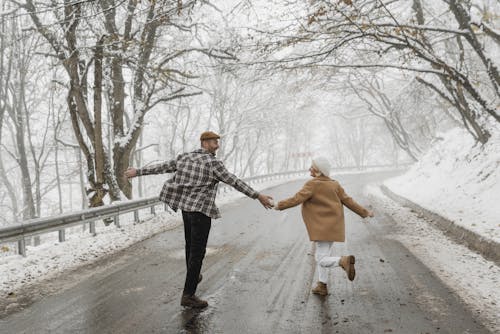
x,y
193,186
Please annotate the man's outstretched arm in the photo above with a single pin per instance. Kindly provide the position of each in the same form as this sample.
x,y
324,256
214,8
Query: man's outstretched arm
x,y
223,175
166,167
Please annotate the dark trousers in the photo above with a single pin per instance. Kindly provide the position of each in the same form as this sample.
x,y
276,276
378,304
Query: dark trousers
x,y
196,230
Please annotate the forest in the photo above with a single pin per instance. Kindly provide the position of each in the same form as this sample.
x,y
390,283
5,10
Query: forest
x,y
89,88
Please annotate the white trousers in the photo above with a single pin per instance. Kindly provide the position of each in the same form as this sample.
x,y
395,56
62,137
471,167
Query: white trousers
x,y
324,259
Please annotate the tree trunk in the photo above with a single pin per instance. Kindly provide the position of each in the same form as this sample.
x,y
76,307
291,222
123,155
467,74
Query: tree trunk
x,y
81,174
99,190
58,175
56,124
5,74
17,115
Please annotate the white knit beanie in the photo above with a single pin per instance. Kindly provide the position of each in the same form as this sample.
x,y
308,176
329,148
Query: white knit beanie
x,y
322,164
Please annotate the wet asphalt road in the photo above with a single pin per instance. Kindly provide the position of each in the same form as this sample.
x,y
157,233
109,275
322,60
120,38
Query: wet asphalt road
x,y
258,274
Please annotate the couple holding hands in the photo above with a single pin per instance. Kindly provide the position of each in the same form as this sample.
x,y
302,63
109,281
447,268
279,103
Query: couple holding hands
x,y
193,188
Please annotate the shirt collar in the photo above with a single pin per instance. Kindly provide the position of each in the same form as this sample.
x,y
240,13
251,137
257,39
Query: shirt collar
x,y
202,150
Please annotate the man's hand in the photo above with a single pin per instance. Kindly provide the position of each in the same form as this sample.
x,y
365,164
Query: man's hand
x,y
370,213
130,172
266,201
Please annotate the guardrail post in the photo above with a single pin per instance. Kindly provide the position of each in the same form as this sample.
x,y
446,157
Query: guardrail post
x,y
136,215
62,235
152,209
117,220
21,247
92,228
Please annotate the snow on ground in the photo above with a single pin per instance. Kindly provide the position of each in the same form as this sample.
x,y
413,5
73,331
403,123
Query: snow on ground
x,y
80,248
459,181
468,274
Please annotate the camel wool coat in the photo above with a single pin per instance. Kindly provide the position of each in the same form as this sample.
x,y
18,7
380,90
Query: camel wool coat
x,y
323,201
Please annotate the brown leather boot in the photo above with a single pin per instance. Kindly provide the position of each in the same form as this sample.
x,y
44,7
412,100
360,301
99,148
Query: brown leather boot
x,y
347,263
320,289
193,301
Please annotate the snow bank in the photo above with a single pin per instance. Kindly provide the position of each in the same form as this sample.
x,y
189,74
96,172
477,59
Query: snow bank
x,y
458,180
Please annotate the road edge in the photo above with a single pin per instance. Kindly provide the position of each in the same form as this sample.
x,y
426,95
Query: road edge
x,y
488,248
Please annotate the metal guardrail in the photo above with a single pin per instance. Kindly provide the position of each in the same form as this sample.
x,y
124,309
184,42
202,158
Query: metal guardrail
x,y
43,225
34,227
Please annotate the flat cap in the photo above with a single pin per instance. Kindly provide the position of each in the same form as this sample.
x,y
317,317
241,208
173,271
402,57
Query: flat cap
x,y
209,135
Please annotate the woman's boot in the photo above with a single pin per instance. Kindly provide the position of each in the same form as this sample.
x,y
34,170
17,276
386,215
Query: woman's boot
x,y
347,263
320,289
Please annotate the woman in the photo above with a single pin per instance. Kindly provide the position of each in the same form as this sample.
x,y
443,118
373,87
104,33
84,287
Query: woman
x,y
323,201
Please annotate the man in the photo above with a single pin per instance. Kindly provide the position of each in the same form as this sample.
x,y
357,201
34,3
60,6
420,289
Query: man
x,y
193,189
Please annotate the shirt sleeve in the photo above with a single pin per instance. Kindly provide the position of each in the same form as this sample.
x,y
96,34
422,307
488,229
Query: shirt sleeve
x,y
303,195
223,175
165,167
351,204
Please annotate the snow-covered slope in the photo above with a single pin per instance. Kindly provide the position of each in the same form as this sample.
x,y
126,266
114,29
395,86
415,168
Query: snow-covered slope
x,y
459,180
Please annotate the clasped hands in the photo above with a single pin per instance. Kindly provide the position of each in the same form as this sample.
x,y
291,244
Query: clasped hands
x,y
266,201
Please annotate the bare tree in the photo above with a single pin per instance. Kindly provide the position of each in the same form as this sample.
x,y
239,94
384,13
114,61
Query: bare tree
x,y
111,48
6,68
15,69
335,33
